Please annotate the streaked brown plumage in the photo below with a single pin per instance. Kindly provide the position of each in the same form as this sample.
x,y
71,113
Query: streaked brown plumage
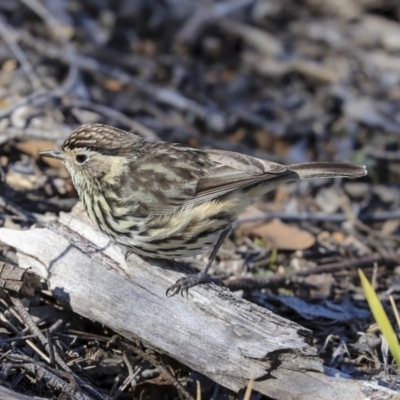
x,y
165,200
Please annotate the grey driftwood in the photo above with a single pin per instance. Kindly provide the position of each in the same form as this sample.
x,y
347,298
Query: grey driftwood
x,y
214,332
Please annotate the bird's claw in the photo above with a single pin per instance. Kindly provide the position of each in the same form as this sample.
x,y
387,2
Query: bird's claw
x,y
183,285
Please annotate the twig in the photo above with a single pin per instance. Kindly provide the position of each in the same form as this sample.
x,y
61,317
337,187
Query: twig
x,y
374,278
84,335
51,348
19,334
130,369
159,365
395,311
249,388
7,324
275,280
129,379
321,217
38,351
43,373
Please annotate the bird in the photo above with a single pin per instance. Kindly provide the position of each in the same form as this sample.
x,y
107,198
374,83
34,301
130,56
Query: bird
x,y
165,200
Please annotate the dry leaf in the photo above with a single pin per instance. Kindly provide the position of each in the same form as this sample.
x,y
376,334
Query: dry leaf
x,y
282,236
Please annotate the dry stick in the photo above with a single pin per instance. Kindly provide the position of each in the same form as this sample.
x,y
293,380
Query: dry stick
x,y
19,338
129,379
129,367
85,335
249,388
159,365
320,216
29,342
51,348
38,351
252,283
374,278
198,390
57,325
395,310
34,329
8,325
47,376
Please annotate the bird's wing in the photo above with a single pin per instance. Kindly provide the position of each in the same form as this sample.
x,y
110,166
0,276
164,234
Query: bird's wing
x,y
233,171
168,177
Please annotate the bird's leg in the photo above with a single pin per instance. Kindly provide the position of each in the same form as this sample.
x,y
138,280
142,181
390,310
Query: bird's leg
x,y
184,284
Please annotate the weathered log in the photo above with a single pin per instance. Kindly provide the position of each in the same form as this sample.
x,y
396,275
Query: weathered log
x,y
213,332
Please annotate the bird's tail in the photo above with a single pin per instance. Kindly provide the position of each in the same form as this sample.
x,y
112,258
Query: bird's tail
x,y
328,170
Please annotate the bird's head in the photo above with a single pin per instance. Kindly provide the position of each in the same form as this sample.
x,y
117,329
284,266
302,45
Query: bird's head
x,y
95,152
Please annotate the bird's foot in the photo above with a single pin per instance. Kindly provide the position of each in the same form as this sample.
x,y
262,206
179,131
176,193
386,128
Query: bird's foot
x,y
183,285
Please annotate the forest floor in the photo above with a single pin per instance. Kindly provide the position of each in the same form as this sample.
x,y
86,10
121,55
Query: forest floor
x,y
289,81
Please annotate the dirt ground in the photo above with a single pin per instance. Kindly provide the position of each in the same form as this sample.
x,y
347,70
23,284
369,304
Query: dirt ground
x,y
289,81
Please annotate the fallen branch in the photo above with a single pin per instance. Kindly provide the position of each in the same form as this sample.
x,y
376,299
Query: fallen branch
x,y
213,332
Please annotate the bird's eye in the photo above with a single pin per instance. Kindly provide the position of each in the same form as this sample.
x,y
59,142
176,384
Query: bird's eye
x,y
81,158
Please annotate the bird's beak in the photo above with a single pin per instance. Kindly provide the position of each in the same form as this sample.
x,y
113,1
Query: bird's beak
x,y
53,154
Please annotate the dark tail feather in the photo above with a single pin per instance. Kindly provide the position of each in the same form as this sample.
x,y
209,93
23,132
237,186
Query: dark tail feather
x,y
328,170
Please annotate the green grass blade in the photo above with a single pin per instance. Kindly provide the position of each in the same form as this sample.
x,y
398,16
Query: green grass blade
x,y
380,317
